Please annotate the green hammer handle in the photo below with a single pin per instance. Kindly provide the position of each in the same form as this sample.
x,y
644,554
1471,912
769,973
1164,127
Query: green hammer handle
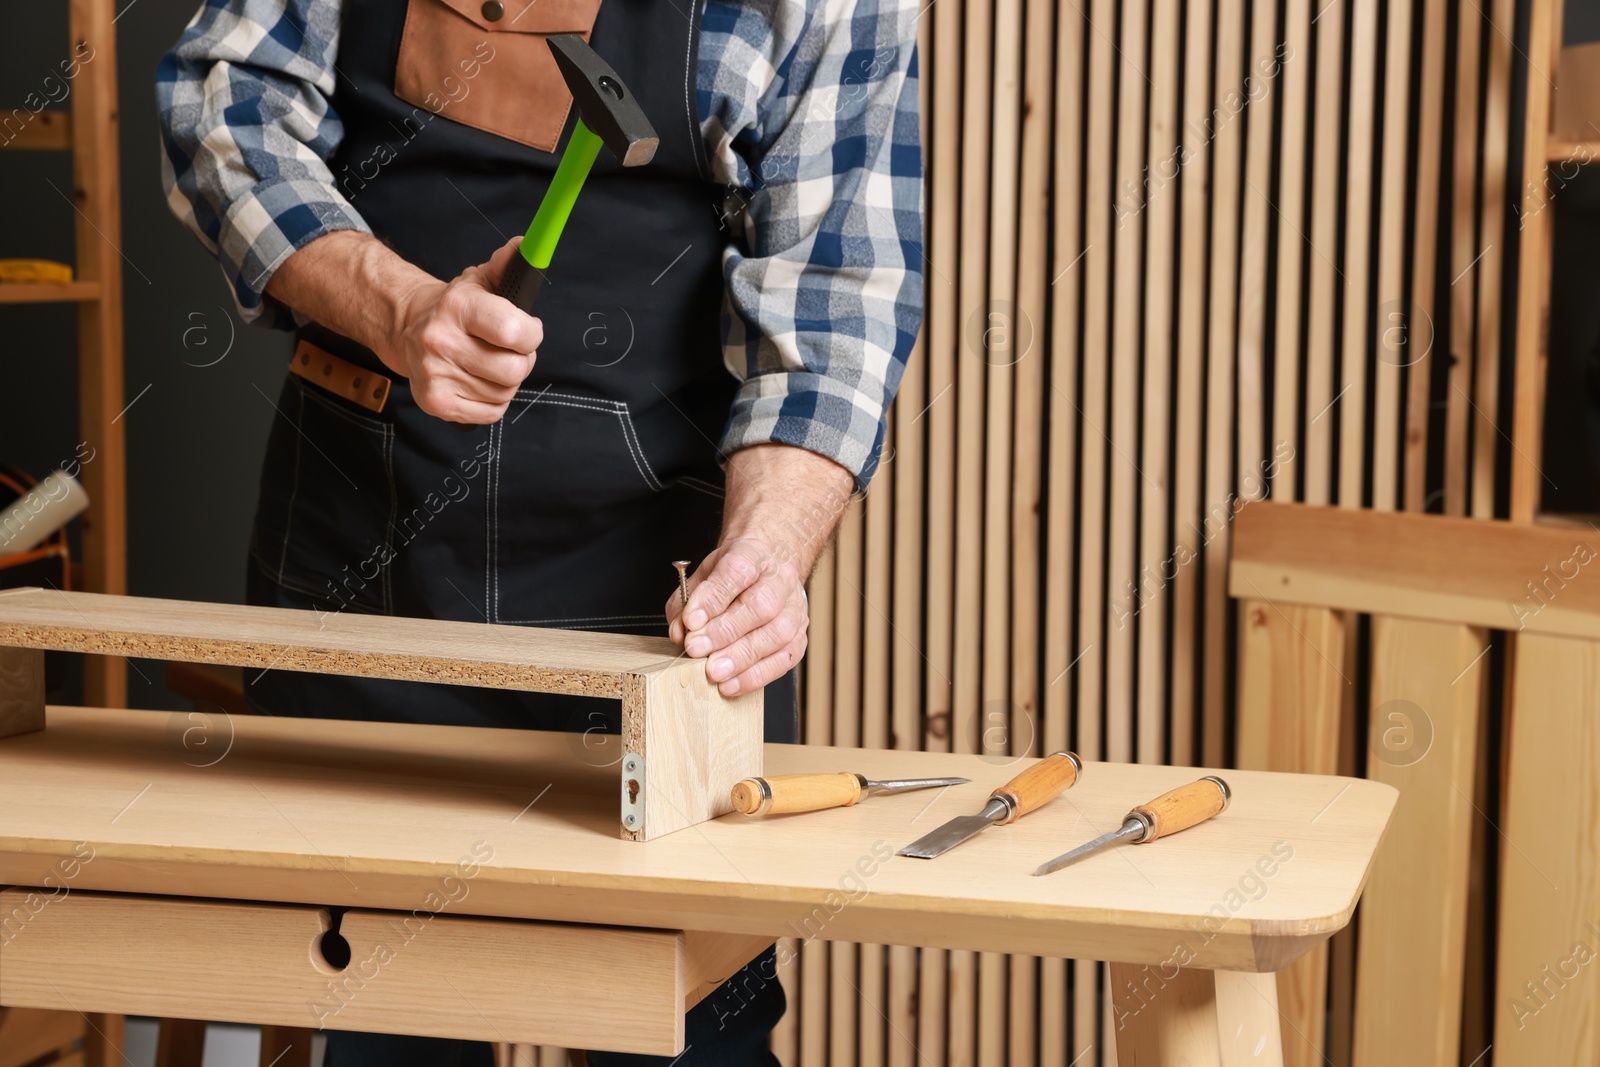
x,y
524,275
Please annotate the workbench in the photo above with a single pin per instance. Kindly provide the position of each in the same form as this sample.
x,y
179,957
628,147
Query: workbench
x,y
489,898
472,883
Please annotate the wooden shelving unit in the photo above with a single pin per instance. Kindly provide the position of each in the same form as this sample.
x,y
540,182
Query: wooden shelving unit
x,y
89,132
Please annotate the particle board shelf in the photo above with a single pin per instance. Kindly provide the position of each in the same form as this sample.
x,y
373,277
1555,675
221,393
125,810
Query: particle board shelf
x,y
686,743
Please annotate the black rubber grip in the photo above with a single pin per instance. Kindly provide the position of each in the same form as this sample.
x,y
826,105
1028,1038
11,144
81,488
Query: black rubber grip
x,y
521,283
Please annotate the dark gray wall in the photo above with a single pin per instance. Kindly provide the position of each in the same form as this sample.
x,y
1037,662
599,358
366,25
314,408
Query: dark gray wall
x,y
196,435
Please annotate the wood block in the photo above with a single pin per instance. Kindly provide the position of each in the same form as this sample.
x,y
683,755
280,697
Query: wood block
x,y
21,690
1546,1000
1426,683
417,972
1195,1018
686,746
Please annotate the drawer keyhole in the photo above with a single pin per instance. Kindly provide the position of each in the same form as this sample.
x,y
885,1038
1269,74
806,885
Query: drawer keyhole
x,y
333,946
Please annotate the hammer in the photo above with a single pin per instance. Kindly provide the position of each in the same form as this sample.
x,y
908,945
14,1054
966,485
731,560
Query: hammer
x,y
607,115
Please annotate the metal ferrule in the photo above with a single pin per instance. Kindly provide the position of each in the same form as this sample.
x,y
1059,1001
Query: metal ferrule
x,y
1143,820
1007,808
1227,794
766,796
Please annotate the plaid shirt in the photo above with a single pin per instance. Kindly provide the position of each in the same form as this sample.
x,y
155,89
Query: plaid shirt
x,y
810,121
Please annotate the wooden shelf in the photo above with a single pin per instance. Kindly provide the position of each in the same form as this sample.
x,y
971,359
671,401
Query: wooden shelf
x,y
48,131
71,293
370,646
1557,151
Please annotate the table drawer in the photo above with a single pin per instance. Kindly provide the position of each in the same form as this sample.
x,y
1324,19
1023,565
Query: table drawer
x,y
616,988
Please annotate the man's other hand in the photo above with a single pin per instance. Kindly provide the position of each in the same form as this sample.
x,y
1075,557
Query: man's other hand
x,y
465,349
747,615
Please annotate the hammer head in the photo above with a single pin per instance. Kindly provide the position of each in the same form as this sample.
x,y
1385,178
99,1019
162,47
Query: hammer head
x,y
604,104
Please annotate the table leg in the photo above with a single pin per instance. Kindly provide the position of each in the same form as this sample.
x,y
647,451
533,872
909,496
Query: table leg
x,y
285,1046
181,1043
1194,1018
104,1043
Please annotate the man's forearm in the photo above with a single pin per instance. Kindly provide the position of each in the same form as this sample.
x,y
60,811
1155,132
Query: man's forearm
x,y
351,283
789,497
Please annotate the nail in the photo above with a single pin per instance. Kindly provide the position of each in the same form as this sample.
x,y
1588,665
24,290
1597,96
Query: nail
x,y
683,578
697,619
729,688
697,647
721,669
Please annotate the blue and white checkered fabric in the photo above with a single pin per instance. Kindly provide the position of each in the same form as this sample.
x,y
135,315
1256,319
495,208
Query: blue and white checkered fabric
x,y
809,113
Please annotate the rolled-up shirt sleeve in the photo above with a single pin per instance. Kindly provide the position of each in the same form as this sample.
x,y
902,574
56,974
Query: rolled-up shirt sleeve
x,y
247,128
820,150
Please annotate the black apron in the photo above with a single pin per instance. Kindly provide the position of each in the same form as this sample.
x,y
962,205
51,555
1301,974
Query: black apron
x,y
567,511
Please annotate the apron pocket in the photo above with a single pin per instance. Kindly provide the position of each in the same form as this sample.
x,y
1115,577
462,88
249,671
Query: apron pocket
x,y
324,518
574,508
485,64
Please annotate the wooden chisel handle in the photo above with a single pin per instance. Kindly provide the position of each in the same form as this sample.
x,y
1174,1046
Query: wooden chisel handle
x,y
1186,806
1040,784
783,793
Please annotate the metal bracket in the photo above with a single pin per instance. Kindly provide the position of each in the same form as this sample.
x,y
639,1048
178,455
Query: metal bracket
x,y
633,791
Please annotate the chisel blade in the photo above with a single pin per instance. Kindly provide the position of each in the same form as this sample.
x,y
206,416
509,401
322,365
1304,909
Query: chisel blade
x,y
911,785
1127,829
955,831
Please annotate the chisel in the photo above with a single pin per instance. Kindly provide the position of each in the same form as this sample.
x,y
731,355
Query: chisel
x,y
1033,788
784,793
1186,806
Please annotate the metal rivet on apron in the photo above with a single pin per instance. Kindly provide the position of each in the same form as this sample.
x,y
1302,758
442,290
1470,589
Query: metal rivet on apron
x,y
327,369
355,384
493,9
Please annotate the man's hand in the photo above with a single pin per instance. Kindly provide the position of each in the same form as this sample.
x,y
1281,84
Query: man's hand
x,y
464,349
747,614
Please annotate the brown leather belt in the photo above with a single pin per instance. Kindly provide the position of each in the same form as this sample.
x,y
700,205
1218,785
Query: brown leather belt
x,y
340,376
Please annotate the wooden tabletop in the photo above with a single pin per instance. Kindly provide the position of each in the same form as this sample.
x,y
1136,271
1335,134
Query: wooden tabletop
x,y
377,815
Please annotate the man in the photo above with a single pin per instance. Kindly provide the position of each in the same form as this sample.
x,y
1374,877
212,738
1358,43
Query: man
x,y
706,377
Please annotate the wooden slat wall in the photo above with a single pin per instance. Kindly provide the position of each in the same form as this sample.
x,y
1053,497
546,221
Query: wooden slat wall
x,y
1174,252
